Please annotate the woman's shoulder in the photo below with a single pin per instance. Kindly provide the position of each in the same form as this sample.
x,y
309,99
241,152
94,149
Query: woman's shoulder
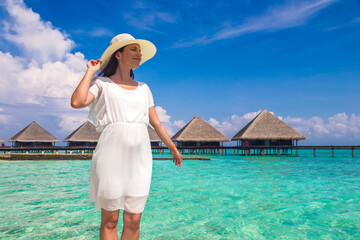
x,y
100,79
142,84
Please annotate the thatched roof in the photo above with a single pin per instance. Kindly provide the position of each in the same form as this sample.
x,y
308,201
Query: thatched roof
x,y
33,133
153,135
198,130
1,141
85,133
266,126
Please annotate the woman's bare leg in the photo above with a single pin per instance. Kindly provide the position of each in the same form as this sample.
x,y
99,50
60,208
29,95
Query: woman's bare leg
x,y
131,227
108,227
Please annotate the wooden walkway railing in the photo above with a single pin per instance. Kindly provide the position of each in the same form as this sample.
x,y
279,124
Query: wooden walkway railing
x,y
221,150
260,150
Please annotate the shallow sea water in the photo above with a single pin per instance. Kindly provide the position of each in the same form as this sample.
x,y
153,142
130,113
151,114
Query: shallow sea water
x,y
228,197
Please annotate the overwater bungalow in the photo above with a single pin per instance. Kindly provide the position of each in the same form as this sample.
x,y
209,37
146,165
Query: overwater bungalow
x,y
33,135
154,138
85,135
267,130
198,133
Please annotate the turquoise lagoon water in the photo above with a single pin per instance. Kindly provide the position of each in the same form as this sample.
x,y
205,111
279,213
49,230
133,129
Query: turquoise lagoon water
x,y
229,197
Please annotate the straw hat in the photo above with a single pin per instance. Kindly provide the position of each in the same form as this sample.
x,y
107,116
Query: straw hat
x,y
148,49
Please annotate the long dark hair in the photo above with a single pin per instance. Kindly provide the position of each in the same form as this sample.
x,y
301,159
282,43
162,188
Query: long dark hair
x,y
111,66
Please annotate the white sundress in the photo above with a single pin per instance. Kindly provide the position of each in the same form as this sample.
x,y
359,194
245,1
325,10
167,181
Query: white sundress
x,y
121,165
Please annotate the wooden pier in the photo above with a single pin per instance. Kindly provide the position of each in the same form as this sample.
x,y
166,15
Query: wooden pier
x,y
63,153
50,157
85,152
261,150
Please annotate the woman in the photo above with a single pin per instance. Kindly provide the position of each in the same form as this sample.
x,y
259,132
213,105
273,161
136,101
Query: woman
x,y
121,108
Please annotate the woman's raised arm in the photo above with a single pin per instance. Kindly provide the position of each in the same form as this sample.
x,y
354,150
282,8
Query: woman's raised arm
x,y
82,97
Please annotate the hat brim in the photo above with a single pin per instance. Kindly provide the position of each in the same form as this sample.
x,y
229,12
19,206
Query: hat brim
x,y
148,50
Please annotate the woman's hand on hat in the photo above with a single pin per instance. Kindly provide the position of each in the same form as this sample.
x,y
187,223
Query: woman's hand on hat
x,y
177,157
94,65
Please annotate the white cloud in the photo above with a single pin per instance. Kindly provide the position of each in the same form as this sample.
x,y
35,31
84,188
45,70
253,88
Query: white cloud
x,y
231,125
313,127
94,32
171,127
53,82
281,17
179,123
338,126
38,39
146,16
214,122
5,118
100,32
161,112
46,73
354,125
10,67
75,62
69,122
289,15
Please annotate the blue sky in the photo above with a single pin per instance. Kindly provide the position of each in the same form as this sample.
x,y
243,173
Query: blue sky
x,y
224,61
